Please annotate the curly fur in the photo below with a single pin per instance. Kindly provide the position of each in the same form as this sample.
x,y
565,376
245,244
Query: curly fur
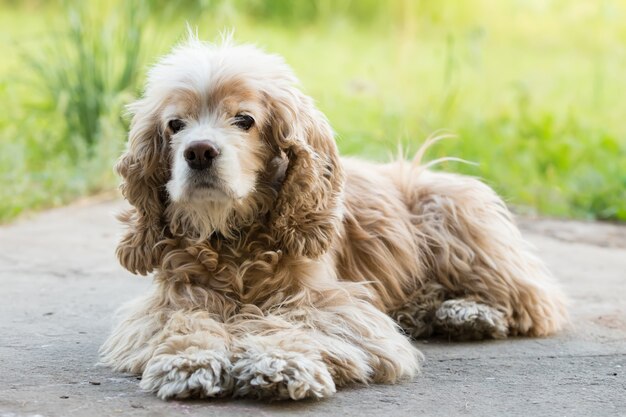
x,y
295,276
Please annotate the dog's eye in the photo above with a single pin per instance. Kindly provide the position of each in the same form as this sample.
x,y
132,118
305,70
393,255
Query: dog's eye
x,y
243,121
176,125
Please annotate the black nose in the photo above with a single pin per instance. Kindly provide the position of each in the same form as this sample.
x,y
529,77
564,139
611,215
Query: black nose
x,y
199,154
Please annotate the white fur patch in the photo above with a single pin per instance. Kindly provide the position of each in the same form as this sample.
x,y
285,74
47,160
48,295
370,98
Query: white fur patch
x,y
199,373
278,374
468,319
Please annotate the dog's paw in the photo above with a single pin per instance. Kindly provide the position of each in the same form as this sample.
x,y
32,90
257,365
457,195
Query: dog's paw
x,y
191,374
466,319
279,375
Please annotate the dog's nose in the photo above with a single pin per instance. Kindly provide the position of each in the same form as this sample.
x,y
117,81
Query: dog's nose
x,y
199,154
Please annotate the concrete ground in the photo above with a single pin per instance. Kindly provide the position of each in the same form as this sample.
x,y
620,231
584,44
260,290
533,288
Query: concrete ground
x,y
60,283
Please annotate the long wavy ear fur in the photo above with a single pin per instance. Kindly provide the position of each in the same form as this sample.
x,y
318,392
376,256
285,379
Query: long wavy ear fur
x,y
307,212
144,173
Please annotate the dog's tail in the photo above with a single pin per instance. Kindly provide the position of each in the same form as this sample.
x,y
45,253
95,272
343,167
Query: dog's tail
x,y
435,137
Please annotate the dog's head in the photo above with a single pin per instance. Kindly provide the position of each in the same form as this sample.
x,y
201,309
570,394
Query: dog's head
x,y
222,138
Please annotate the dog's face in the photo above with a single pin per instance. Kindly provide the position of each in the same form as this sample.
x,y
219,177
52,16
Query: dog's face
x,y
216,139
212,108
203,146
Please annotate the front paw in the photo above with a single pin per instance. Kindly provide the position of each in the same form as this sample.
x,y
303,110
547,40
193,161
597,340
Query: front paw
x,y
193,373
278,374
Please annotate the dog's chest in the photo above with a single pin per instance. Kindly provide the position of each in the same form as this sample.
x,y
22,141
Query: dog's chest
x,y
252,278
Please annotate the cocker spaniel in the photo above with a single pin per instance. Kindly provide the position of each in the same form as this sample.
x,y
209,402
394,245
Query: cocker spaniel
x,y
283,270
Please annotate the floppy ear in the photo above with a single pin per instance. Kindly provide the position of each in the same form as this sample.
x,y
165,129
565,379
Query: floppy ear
x,y
307,213
144,170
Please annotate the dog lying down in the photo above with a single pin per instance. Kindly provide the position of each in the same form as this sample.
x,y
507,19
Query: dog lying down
x,y
282,270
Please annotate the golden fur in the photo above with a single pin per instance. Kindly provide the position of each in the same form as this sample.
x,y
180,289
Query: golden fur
x,y
295,279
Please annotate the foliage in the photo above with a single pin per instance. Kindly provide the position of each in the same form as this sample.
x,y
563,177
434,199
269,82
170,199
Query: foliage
x,y
60,140
531,89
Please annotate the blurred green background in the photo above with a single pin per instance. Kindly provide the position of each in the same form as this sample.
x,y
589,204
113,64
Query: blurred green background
x,y
534,89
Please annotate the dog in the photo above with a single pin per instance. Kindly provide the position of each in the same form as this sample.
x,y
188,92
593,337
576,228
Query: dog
x,y
283,271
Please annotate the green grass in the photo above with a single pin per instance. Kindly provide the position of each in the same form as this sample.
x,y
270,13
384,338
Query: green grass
x,y
534,93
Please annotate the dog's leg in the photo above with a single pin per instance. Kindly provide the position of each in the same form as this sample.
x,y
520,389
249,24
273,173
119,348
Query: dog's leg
x,y
460,318
304,352
285,364
485,281
193,360
179,354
